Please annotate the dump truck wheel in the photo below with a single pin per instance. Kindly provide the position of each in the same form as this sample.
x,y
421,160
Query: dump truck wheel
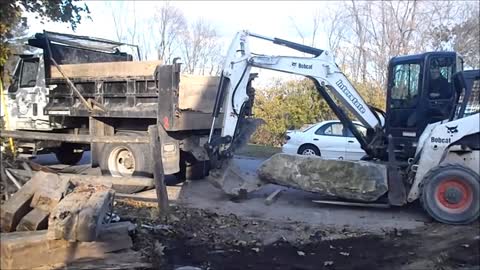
x,y
67,154
309,150
123,160
451,194
191,168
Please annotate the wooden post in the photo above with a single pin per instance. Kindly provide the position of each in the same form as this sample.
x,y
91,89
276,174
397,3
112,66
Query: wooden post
x,y
158,175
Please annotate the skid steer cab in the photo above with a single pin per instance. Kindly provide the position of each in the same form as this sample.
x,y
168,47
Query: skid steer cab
x,y
420,91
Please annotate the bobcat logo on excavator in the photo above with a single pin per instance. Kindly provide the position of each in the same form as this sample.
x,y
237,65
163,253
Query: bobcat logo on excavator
x,y
300,65
452,129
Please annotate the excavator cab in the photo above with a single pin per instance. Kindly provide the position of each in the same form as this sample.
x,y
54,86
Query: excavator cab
x,y
420,91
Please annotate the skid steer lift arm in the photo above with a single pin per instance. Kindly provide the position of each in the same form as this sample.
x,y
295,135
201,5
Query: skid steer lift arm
x,y
233,94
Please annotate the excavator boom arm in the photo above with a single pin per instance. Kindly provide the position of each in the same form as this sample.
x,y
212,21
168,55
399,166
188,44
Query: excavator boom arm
x,y
331,83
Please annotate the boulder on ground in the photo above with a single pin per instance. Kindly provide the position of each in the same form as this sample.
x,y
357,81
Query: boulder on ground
x,y
352,180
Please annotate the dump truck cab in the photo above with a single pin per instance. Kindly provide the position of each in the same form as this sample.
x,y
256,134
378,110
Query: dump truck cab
x,y
27,94
420,91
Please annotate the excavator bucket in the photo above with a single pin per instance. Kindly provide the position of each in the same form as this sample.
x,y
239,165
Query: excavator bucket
x,y
231,177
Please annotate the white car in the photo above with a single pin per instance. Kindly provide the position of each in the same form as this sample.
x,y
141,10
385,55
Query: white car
x,y
328,139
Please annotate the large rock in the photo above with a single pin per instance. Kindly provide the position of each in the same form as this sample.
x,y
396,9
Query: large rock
x,y
353,180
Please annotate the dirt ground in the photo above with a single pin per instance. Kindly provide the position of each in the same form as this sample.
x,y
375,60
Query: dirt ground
x,y
195,237
206,229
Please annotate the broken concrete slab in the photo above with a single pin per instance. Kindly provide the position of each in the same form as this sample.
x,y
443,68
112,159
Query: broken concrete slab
x,y
109,181
79,215
37,219
27,250
352,180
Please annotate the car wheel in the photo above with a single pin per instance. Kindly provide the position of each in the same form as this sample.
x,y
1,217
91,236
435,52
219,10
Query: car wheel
x,y
309,150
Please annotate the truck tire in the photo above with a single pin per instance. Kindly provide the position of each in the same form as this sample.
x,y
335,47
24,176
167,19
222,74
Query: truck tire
x,y
191,168
451,194
66,154
123,159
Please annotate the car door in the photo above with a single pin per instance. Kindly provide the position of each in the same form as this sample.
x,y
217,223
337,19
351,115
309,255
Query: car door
x,y
353,149
330,140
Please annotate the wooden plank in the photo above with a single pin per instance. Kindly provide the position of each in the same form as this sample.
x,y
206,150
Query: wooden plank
x,y
374,205
13,210
18,246
158,174
50,192
273,196
79,215
173,193
107,69
128,259
74,138
37,219
109,181
98,127
197,93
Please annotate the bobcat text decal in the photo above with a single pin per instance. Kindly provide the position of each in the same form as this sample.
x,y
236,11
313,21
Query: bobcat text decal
x,y
350,96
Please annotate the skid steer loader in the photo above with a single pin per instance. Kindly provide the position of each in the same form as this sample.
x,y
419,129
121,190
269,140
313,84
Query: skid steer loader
x,y
427,140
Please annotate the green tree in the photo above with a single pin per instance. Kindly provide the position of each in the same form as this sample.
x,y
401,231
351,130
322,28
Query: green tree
x,y
11,18
293,104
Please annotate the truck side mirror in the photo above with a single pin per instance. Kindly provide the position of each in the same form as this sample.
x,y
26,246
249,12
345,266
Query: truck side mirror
x,y
13,87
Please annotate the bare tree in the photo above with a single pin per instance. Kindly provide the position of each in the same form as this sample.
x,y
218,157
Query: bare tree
x,y
304,34
365,35
171,24
200,47
117,9
297,29
317,19
461,35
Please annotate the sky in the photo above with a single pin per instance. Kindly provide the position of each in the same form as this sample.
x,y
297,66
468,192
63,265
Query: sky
x,y
268,18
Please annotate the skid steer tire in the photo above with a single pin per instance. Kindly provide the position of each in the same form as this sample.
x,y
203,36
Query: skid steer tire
x,y
124,160
451,194
66,154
